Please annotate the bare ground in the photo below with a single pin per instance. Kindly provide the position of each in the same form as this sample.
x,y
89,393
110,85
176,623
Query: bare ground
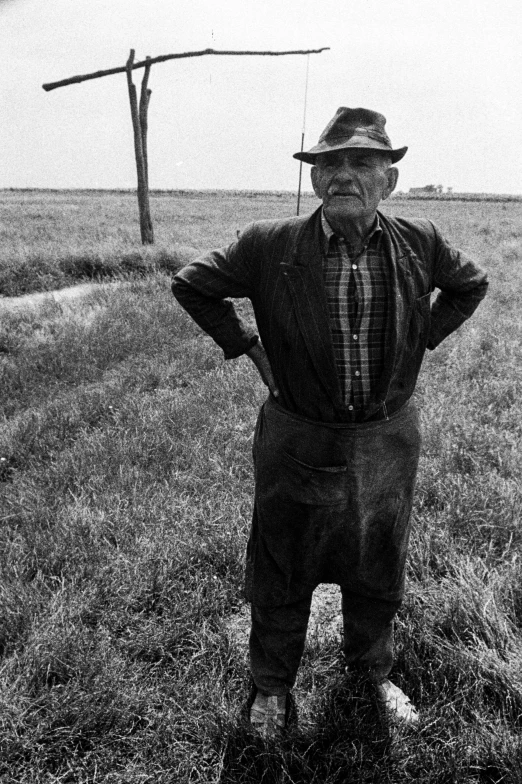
x,y
58,295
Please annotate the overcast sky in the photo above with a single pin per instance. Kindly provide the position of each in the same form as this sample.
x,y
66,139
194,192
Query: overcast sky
x,y
446,73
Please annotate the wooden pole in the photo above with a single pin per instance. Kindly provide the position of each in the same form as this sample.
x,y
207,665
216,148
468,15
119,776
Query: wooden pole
x,y
147,233
144,108
300,176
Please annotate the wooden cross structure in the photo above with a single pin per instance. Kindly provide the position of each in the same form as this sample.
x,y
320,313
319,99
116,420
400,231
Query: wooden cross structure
x,y
139,113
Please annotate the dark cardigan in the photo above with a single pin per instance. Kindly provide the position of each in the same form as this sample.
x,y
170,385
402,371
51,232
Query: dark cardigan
x,y
277,265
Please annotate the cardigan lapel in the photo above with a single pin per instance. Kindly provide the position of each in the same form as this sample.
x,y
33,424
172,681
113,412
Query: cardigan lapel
x,y
303,271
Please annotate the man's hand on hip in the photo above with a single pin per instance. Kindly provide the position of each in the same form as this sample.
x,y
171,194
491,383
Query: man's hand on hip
x,y
258,356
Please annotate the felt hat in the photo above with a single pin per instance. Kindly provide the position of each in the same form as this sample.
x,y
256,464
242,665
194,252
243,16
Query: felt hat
x,y
353,128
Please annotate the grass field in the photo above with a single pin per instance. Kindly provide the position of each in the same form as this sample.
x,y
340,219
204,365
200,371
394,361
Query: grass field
x,y
54,239
125,498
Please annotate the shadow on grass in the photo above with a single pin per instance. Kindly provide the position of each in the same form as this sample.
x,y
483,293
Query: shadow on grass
x,y
346,743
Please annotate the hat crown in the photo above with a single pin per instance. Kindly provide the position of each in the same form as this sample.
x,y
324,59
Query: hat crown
x,y
355,122
356,129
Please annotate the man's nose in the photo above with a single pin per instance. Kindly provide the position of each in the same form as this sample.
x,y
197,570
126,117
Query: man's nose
x,y
345,169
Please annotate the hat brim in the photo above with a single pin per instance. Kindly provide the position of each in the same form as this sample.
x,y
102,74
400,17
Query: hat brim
x,y
362,143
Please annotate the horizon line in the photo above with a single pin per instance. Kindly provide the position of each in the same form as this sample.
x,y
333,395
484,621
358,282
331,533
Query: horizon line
x,y
483,195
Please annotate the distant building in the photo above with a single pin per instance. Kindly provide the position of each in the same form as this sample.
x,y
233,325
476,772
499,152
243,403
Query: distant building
x,y
433,189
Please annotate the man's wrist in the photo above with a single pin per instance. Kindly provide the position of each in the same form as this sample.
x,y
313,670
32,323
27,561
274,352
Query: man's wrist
x,y
256,349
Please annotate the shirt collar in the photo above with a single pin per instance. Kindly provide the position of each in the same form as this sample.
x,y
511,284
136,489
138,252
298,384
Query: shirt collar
x,y
328,232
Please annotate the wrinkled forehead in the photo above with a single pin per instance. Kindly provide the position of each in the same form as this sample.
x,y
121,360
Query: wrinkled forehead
x,y
353,155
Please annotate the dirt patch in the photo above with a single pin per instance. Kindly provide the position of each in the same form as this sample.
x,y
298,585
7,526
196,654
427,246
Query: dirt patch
x,y
58,295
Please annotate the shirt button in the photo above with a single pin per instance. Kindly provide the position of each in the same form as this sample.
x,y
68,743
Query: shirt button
x,y
357,373
354,266
350,408
356,337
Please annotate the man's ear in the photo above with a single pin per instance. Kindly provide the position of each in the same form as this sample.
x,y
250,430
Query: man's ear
x,y
392,175
313,176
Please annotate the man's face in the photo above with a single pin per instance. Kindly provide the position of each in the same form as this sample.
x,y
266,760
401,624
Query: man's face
x,y
352,182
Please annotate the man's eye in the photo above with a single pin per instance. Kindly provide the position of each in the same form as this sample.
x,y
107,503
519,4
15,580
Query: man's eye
x,y
334,162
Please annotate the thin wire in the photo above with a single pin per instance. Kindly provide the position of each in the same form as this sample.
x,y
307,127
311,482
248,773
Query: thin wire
x,y
303,132
306,92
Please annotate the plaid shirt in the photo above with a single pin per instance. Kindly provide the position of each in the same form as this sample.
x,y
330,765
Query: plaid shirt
x,y
357,294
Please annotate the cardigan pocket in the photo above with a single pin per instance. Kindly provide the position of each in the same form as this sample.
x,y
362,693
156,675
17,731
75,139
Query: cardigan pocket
x,y
419,324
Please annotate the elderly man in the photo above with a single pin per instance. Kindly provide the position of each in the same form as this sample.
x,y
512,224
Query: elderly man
x,y
342,301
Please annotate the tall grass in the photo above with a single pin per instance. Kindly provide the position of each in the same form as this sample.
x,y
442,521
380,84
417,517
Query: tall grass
x,y
125,498
53,239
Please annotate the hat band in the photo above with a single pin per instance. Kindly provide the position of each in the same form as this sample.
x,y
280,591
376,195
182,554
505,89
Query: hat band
x,y
375,135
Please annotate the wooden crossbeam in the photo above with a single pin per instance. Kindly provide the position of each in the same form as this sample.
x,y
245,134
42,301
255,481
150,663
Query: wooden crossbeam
x,y
162,58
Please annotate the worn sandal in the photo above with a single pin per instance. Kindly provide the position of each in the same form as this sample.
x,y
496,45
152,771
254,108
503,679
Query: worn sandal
x,y
268,715
395,704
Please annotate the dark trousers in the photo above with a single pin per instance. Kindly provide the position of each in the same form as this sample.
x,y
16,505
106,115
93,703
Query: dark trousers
x,y
278,636
332,505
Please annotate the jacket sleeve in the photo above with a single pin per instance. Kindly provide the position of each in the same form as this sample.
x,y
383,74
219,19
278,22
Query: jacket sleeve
x,y
463,285
202,288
